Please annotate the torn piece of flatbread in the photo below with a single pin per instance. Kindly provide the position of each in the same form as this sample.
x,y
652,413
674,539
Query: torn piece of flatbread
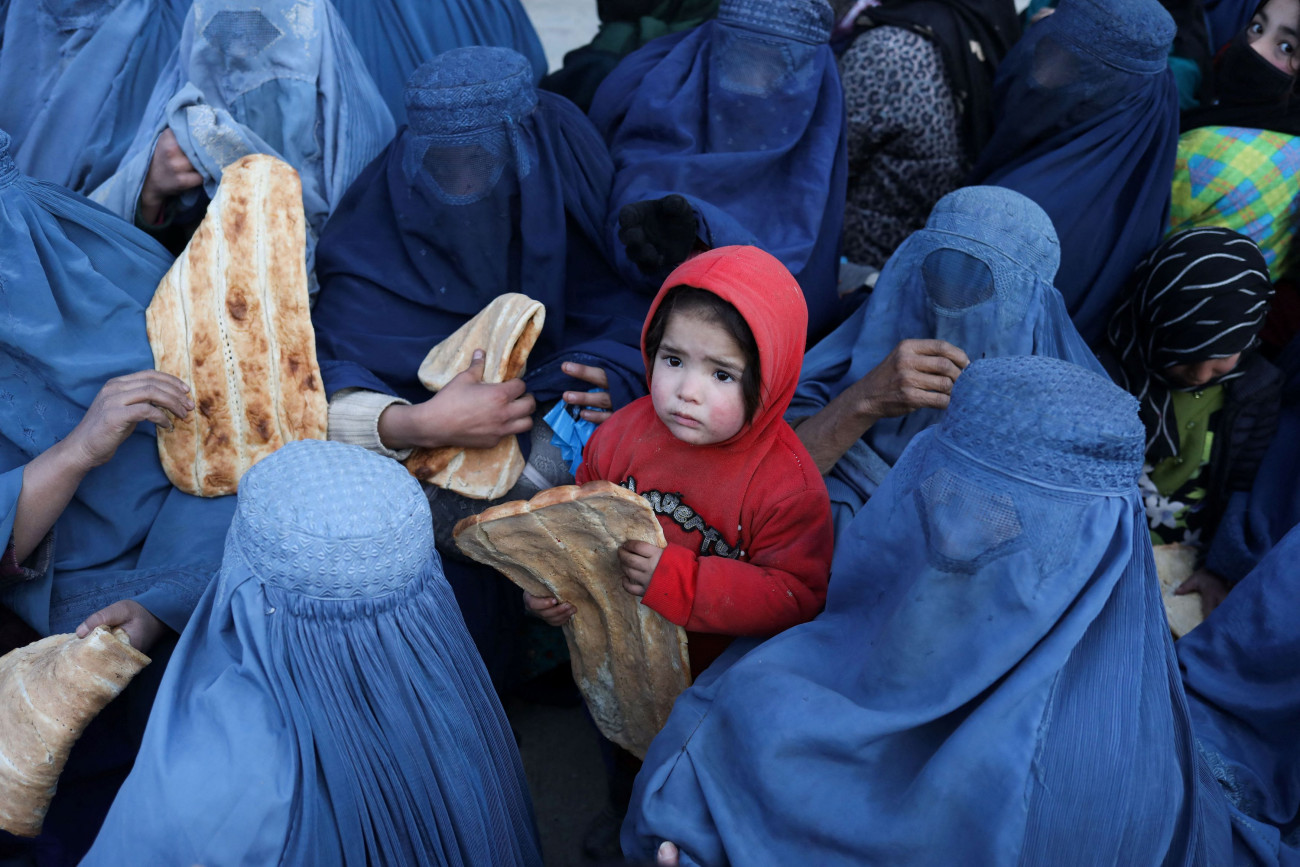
x,y
629,662
506,331
231,319
1174,565
50,690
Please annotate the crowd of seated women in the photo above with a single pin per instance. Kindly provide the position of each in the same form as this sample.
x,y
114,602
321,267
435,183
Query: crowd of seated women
x,y
1005,295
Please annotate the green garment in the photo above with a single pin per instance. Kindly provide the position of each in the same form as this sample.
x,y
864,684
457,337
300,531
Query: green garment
x,y
670,16
1177,480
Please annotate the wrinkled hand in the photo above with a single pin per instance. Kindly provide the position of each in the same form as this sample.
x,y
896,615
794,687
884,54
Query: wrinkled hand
x,y
917,374
638,560
1212,588
467,412
596,404
170,174
140,626
658,234
121,404
548,608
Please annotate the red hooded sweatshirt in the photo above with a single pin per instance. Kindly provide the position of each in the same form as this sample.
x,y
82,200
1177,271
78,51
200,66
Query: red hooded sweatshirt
x,y
748,520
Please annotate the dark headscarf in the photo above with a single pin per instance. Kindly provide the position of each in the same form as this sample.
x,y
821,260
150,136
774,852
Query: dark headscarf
x,y
973,37
1202,294
1248,91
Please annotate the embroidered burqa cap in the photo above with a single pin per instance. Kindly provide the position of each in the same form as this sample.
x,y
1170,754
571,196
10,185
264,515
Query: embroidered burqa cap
x,y
808,21
326,705
979,275
992,680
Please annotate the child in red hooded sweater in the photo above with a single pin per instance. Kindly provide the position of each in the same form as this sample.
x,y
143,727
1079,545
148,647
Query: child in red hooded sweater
x,y
744,510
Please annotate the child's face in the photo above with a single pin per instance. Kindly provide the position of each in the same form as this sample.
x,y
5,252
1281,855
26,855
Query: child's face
x,y
695,383
1272,33
1201,372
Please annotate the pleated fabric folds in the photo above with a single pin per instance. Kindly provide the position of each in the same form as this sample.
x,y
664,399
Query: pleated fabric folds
x,y
327,705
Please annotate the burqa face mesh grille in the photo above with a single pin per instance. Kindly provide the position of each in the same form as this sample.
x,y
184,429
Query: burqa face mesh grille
x,y
956,280
462,173
242,34
966,524
753,67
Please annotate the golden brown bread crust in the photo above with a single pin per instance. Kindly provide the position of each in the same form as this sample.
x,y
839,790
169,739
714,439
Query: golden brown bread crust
x,y
629,662
231,319
50,690
506,331
1174,565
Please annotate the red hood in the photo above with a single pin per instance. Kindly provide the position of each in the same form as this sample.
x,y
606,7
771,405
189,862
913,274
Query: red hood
x,y
770,300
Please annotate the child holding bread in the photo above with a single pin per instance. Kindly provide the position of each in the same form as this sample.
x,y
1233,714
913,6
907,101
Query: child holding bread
x,y
743,507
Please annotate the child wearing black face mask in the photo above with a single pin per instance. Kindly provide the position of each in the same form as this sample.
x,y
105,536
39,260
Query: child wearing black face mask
x,y
1238,161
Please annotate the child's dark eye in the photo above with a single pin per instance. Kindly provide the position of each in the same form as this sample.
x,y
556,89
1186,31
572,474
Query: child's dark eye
x,y
671,360
1255,28
723,376
1287,48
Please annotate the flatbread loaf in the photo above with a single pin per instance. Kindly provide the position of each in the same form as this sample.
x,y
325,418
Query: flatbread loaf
x,y
50,690
630,663
1174,565
505,330
231,319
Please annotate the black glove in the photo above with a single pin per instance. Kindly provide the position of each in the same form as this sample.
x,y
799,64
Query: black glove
x,y
658,234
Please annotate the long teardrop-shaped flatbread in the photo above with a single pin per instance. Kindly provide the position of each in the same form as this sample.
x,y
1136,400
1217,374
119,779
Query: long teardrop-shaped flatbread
x,y
629,662
505,330
231,319
50,690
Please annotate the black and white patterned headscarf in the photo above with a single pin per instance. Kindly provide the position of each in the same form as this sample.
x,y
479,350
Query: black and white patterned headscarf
x,y
1202,294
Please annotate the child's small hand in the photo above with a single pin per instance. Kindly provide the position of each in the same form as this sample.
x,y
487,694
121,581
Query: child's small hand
x,y
638,560
548,608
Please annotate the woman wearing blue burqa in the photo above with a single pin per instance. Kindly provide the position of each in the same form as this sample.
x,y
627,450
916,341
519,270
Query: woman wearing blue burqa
x,y
396,36
278,77
93,531
326,707
976,282
993,680
76,79
731,133
1257,520
1086,125
494,187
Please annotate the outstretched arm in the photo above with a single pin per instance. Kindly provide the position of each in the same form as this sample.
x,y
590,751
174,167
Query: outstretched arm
x,y
916,375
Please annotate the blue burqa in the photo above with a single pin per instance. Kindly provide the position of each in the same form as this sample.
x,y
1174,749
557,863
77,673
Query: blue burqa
x,y
495,187
76,78
1256,520
326,706
74,284
278,77
1241,670
744,116
396,36
1086,125
979,275
992,681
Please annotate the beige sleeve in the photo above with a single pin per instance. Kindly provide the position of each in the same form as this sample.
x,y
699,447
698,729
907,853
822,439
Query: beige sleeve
x,y
354,419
